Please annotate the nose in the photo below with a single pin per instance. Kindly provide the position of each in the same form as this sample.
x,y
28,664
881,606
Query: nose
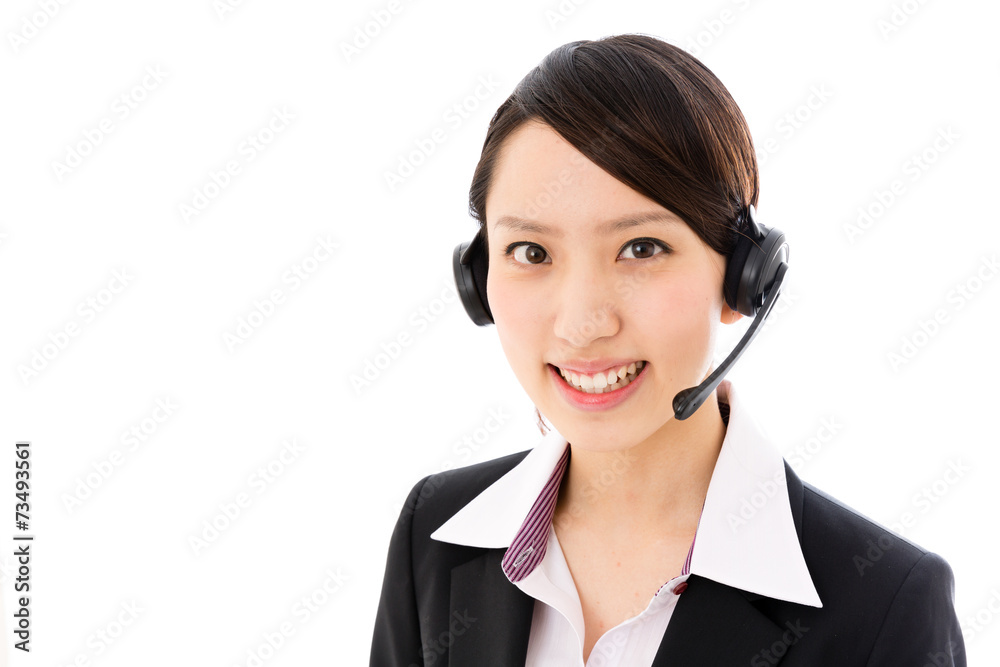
x,y
586,307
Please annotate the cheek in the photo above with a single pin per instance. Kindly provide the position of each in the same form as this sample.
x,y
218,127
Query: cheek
x,y
516,313
503,303
680,314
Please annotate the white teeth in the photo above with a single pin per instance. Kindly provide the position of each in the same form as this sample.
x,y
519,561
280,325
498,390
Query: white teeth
x,y
602,383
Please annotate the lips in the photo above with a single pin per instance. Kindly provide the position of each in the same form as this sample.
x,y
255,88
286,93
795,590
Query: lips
x,y
592,399
604,381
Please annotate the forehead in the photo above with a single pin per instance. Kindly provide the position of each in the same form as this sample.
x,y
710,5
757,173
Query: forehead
x,y
535,149
542,184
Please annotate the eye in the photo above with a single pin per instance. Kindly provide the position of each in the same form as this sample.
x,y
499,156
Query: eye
x,y
646,248
528,253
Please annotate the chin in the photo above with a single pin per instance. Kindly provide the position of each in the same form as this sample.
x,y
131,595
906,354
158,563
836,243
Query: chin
x,y
596,436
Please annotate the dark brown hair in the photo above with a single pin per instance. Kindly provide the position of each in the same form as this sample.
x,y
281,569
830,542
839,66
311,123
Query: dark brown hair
x,y
651,115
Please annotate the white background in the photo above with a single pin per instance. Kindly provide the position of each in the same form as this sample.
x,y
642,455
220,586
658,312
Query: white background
x,y
825,355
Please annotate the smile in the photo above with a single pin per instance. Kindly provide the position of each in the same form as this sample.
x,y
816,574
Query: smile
x,y
602,383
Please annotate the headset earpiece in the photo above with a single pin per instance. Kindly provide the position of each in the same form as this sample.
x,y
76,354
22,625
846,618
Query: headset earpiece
x,y
470,264
753,266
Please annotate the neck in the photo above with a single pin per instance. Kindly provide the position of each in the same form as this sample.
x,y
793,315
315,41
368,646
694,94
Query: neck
x,y
658,484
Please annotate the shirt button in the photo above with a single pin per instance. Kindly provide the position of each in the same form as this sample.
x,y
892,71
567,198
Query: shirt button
x,y
680,588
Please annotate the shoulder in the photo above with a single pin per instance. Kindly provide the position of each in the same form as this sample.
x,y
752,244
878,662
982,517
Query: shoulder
x,y
889,595
435,498
849,543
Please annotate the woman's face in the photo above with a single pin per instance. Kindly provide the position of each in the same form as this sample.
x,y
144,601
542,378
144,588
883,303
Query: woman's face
x,y
568,290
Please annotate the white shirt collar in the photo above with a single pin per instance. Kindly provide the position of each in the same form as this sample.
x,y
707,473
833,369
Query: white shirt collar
x,y
746,536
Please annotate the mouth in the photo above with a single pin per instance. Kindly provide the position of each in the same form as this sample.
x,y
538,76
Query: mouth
x,y
602,383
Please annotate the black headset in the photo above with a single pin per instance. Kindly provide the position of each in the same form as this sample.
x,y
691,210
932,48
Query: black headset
x,y
754,274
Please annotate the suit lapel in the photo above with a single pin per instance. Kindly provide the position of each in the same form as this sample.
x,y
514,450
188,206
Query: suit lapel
x,y
715,624
718,625
490,617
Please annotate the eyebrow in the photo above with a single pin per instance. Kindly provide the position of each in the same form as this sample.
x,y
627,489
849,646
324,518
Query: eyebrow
x,y
619,224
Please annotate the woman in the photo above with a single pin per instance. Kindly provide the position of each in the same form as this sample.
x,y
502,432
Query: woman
x,y
614,186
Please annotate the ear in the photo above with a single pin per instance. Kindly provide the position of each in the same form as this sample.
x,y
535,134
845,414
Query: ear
x,y
729,316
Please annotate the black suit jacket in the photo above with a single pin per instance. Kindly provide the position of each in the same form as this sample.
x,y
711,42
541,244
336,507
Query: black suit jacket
x,y
885,600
